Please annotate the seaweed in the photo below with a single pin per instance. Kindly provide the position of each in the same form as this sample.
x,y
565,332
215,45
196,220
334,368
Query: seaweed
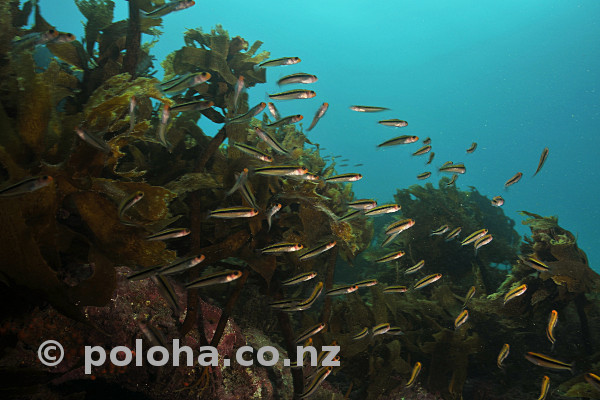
x,y
71,249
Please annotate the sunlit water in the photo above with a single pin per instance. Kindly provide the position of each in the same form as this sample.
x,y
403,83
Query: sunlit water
x,y
512,76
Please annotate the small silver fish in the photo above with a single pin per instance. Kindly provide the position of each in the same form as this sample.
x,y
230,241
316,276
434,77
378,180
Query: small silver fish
x,y
254,152
168,234
182,83
397,123
431,155
315,251
306,276
293,94
196,105
283,247
273,111
383,209
291,119
132,107
181,265
280,61
440,231
281,170
299,77
320,113
239,88
350,177
161,132
93,140
516,178
234,212
214,279
367,109
415,267
453,168
404,139
270,140
34,39
341,290
129,202
363,204
241,178
543,158
168,8
251,113
423,176
472,148
423,150
497,201
272,211
26,186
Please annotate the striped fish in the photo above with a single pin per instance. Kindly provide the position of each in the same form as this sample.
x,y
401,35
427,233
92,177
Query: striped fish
x,y
270,140
299,77
293,94
395,289
390,257
380,329
26,186
214,279
315,251
367,109
404,139
306,276
383,209
361,334
518,291
414,374
234,212
547,362
543,158
461,319
503,354
281,170
341,290
516,178
310,332
254,152
428,280
415,267
394,122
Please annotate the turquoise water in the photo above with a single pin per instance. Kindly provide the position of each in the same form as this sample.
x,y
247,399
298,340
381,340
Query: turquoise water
x,y
514,77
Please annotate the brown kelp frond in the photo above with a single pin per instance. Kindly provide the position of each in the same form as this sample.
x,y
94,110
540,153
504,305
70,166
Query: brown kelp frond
x,y
99,14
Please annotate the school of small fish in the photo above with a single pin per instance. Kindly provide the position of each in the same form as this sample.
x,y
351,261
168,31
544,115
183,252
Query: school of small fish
x,y
366,207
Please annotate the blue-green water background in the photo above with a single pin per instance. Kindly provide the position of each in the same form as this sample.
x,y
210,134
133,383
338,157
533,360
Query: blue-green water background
x,y
512,76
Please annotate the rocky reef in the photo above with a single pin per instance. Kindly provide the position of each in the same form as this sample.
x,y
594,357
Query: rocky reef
x,y
115,155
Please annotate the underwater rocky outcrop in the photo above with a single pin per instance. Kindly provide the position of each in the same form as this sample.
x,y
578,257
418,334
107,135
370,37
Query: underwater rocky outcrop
x,y
116,156
82,118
